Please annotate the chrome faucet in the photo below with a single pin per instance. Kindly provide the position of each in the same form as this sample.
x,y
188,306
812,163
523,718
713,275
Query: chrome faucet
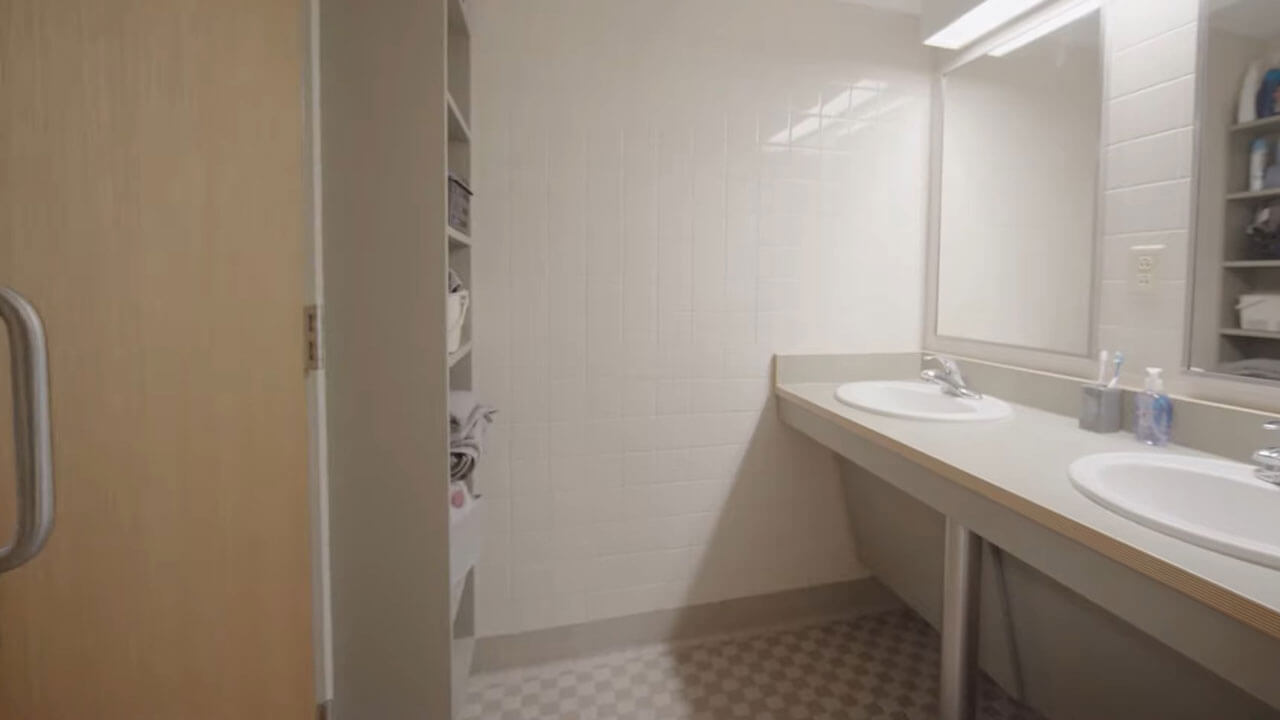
x,y
951,380
1268,460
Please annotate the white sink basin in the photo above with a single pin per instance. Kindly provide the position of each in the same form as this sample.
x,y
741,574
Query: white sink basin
x,y
1216,504
919,401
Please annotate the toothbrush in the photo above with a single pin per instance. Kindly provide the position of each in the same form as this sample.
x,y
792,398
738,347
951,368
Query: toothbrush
x,y
1103,358
1117,363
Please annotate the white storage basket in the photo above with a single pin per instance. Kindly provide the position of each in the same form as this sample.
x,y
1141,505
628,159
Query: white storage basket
x,y
1260,312
457,317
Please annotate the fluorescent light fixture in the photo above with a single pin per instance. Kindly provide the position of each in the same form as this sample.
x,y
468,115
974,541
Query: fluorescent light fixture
x,y
1068,14
979,21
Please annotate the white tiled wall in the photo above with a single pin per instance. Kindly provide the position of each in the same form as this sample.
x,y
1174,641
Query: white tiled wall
x,y
1151,54
669,192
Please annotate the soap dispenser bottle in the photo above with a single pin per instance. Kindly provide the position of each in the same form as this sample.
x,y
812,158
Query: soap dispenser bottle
x,y
1155,411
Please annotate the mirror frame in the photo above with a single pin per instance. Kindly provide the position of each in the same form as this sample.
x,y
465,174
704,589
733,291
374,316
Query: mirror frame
x,y
1082,365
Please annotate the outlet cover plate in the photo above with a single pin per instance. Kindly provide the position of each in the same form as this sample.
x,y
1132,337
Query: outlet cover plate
x,y
1144,267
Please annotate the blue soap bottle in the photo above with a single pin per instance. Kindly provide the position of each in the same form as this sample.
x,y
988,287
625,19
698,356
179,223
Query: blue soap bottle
x,y
1155,411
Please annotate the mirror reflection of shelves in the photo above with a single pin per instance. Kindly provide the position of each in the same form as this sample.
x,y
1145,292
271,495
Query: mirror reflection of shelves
x,y
1254,334
1250,264
1269,194
1258,127
1230,264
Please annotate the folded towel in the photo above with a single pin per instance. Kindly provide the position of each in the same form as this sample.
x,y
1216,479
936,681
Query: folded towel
x,y
1262,368
468,421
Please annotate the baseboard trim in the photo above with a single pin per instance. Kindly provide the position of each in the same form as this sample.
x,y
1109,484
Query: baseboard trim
x,y
856,597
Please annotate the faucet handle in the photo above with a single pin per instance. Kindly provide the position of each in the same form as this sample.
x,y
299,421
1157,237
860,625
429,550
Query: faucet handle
x,y
947,364
1268,460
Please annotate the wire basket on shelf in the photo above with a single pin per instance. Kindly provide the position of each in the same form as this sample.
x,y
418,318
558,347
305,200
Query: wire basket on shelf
x,y
459,205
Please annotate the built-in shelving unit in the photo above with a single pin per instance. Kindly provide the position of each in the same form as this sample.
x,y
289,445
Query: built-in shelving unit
x,y
465,528
1242,274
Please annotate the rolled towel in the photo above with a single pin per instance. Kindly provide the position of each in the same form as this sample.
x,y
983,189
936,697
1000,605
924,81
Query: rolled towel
x,y
462,462
469,419
1261,368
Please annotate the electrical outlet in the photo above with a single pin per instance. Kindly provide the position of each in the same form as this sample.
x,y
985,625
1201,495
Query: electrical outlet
x,y
1144,266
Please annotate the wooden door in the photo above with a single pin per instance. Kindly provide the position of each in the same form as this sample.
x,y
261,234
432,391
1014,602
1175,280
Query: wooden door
x,y
151,208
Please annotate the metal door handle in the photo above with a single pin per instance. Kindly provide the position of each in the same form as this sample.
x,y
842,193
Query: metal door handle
x,y
32,443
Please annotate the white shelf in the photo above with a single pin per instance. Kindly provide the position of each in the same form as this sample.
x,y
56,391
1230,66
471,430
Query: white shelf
x,y
455,597
459,18
457,238
1258,195
1246,264
456,357
466,539
1267,123
1258,334
459,129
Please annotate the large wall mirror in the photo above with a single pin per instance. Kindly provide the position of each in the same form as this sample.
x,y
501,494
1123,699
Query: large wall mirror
x,y
1235,321
1015,228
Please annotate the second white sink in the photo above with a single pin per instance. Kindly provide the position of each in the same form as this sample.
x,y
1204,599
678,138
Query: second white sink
x,y
1216,504
919,401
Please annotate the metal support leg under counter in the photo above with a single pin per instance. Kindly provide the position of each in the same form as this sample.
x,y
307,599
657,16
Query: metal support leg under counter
x,y
960,588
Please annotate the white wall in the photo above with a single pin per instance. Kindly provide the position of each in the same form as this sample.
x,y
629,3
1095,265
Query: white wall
x,y
648,235
1020,194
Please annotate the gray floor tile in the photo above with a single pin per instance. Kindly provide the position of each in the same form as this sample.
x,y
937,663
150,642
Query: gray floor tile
x,y
880,666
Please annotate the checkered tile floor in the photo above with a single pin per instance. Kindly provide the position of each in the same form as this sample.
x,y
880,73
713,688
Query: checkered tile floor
x,y
879,666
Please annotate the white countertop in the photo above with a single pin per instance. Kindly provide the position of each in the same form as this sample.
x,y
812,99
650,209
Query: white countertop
x,y
1022,463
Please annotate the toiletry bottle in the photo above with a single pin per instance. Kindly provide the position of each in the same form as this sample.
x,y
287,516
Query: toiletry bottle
x,y
1257,164
1155,411
1248,107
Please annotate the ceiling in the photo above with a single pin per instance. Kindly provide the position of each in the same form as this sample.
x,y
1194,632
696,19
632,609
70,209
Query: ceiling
x,y
904,6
